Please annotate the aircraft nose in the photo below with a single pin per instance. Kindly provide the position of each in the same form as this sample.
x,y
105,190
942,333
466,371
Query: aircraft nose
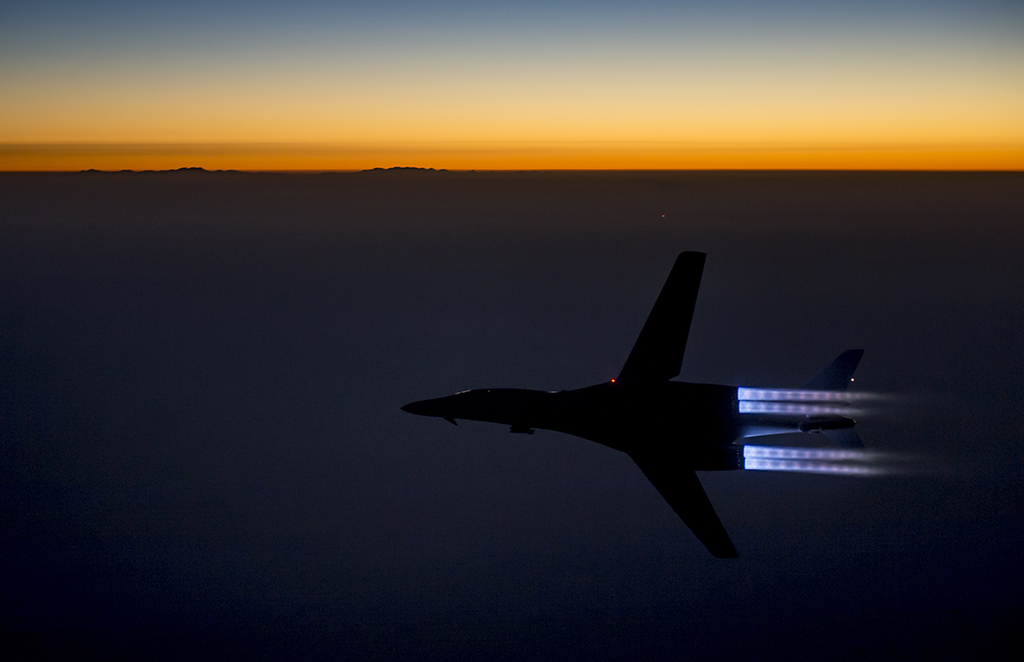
x,y
420,408
411,407
440,407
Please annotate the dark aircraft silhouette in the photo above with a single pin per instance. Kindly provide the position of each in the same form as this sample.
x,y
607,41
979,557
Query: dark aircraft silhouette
x,y
670,429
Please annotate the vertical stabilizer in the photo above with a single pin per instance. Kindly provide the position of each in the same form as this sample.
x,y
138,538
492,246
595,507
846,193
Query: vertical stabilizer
x,y
836,376
658,353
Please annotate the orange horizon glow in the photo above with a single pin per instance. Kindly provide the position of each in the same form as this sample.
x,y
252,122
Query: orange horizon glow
x,y
669,87
506,156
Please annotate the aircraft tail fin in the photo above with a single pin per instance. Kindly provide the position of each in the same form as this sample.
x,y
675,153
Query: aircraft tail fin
x,y
836,376
658,352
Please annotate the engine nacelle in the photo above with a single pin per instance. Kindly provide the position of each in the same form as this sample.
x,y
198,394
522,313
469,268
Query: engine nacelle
x,y
822,423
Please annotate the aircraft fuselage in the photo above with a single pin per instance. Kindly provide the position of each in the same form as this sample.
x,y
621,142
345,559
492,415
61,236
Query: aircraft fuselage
x,y
690,418
671,429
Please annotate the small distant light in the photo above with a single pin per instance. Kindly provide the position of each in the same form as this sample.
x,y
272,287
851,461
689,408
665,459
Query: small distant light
x,y
613,380
851,379
663,216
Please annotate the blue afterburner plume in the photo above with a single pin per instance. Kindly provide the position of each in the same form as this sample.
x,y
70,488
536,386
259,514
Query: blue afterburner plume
x,y
812,460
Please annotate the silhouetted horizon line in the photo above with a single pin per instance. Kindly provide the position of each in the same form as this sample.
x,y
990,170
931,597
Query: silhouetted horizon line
x,y
426,170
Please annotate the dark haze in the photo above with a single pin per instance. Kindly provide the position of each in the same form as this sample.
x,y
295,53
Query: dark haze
x,y
203,454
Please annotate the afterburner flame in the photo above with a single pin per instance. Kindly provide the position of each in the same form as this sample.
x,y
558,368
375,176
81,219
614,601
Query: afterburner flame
x,y
801,466
797,395
748,407
811,460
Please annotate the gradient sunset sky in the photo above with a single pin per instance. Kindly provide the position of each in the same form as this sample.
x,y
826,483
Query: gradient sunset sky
x,y
314,85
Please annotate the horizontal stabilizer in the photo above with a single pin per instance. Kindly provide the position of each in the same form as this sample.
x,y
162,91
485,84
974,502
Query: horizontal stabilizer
x,y
836,376
681,488
658,353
